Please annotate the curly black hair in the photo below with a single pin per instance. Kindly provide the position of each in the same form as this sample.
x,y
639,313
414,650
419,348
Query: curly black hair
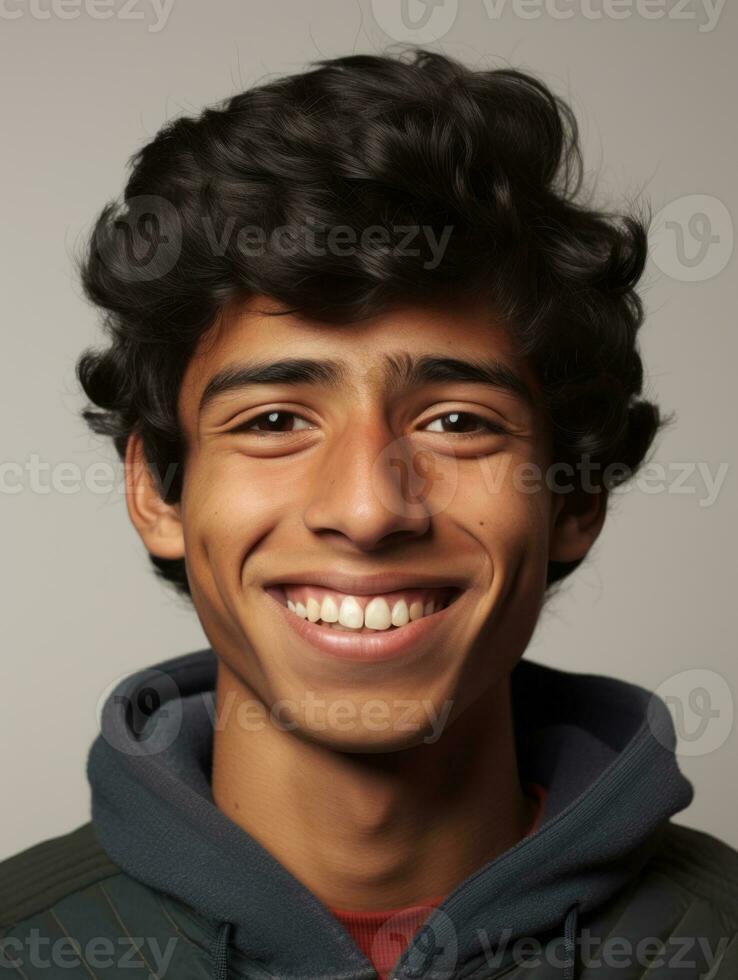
x,y
359,142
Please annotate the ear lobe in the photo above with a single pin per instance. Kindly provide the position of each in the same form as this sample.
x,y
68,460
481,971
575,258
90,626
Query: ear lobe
x,y
577,521
158,523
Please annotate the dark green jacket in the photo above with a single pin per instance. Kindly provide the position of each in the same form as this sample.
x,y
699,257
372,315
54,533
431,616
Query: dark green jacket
x,y
161,884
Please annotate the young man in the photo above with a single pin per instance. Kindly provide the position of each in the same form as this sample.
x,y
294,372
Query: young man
x,y
373,369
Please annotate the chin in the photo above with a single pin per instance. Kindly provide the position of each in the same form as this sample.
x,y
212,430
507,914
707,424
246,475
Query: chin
x,y
365,742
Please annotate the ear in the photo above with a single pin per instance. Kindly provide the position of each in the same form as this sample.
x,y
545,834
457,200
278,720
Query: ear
x,y
158,523
577,521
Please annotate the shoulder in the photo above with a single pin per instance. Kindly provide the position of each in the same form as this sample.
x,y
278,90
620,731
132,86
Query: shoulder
x,y
44,874
64,903
701,864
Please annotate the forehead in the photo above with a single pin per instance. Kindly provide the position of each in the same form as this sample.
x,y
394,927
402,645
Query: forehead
x,y
382,353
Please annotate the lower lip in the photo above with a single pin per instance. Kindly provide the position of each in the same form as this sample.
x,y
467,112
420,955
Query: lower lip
x,y
384,645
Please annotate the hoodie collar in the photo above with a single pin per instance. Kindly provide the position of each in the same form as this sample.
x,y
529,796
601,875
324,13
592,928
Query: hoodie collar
x,y
603,748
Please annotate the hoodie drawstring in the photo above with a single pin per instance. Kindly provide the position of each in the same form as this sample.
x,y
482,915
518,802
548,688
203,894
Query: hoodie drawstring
x,y
219,952
570,941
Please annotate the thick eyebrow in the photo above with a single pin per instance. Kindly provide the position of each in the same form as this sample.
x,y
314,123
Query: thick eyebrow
x,y
290,371
405,371
401,371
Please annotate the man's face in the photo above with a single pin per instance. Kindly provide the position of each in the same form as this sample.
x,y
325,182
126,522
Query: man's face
x,y
349,479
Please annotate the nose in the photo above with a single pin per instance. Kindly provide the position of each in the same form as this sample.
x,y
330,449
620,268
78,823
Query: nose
x,y
361,489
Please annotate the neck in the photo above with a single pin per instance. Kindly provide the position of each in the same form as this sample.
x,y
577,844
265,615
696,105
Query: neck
x,y
377,830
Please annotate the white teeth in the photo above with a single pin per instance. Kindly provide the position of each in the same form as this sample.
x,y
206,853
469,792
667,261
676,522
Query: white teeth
x,y
313,610
416,610
351,614
329,610
400,614
377,614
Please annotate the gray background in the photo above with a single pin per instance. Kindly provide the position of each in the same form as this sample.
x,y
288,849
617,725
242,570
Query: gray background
x,y
653,86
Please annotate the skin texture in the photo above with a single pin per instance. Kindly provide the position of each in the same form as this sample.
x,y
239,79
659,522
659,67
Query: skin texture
x,y
367,815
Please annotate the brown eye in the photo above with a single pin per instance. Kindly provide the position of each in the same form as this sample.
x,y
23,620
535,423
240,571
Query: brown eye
x,y
464,423
278,421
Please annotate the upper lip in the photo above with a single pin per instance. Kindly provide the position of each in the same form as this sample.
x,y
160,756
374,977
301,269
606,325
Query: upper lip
x,y
369,583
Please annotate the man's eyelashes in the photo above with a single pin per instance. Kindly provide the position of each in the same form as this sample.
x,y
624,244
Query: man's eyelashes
x,y
487,425
274,418
277,422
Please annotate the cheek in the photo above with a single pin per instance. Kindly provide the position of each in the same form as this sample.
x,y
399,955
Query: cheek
x,y
228,505
503,501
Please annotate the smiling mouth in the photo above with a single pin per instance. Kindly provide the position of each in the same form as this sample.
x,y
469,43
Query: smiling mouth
x,y
361,614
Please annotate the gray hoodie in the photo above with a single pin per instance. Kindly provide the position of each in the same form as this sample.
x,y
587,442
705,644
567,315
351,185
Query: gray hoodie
x,y
602,747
